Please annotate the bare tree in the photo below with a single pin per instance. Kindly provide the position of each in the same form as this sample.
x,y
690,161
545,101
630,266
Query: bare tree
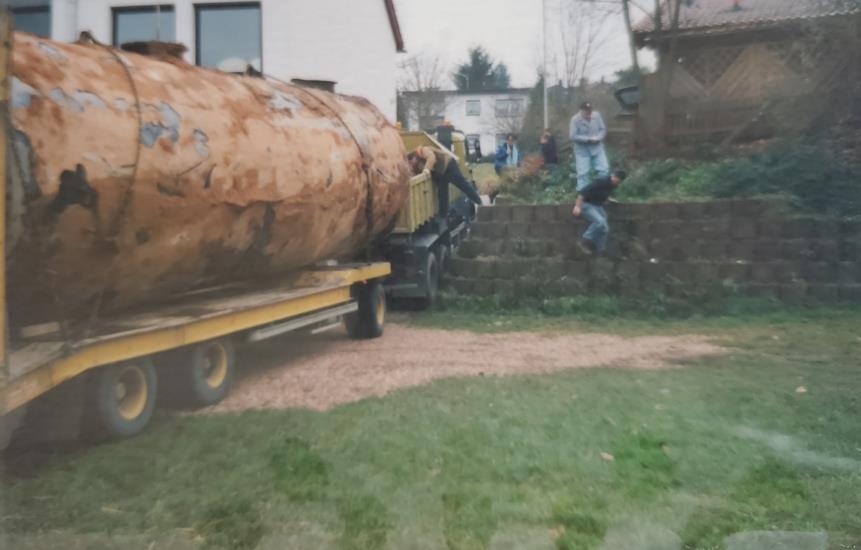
x,y
632,42
421,83
583,31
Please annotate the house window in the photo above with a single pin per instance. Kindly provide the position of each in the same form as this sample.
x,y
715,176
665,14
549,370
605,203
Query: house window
x,y
473,144
473,107
229,36
509,107
34,19
142,23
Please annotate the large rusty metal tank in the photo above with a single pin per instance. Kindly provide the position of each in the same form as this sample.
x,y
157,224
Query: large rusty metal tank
x,y
133,178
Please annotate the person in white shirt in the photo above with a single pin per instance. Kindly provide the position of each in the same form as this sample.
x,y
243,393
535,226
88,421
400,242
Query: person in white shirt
x,y
588,131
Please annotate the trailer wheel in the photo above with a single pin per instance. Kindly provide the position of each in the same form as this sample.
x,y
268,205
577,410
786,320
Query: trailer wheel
x,y
208,375
369,320
124,397
431,281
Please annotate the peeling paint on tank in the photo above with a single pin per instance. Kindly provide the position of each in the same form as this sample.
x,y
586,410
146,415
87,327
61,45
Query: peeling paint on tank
x,y
59,96
88,99
52,51
282,101
171,121
120,104
125,61
169,116
169,125
200,141
150,132
22,93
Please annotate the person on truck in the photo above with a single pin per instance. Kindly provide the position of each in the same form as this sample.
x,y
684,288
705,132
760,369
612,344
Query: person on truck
x,y
587,131
590,205
444,170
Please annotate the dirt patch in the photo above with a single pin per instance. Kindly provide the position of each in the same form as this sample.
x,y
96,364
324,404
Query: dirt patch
x,y
327,370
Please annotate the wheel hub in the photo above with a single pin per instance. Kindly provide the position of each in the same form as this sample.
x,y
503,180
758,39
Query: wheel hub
x,y
215,365
131,392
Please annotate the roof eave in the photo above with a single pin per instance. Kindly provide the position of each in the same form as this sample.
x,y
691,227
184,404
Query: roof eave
x,y
644,38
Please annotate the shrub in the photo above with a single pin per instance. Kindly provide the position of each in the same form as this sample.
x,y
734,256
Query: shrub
x,y
812,176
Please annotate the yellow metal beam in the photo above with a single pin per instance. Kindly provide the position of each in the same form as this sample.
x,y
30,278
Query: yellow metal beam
x,y
26,388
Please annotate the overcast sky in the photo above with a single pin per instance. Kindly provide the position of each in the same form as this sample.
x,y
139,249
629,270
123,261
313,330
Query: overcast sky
x,y
509,29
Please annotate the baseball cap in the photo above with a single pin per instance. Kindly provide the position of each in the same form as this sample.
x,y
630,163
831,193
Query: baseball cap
x,y
586,105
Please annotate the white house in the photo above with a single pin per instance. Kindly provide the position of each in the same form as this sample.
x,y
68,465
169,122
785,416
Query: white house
x,y
351,43
485,117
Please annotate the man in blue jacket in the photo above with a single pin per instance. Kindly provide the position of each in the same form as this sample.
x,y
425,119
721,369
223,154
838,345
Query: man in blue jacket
x,y
507,155
588,131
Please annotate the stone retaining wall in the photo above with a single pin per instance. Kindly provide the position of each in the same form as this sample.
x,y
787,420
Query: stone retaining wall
x,y
751,246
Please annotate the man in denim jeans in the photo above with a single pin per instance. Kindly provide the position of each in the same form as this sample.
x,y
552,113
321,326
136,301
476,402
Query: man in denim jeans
x,y
587,131
590,205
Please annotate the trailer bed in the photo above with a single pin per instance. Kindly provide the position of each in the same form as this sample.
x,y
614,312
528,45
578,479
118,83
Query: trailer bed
x,y
34,367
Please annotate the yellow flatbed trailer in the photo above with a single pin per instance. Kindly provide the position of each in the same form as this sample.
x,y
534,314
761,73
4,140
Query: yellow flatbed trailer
x,y
118,354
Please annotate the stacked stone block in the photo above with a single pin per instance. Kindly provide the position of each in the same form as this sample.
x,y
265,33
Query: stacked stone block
x,y
756,247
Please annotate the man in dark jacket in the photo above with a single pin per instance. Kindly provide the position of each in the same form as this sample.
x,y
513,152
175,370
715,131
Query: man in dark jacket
x,y
442,167
590,205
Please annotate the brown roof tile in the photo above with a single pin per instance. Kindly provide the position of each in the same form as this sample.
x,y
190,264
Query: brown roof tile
x,y
715,14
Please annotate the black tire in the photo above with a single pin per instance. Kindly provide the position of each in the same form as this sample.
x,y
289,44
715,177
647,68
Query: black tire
x,y
431,280
207,376
124,397
443,253
369,321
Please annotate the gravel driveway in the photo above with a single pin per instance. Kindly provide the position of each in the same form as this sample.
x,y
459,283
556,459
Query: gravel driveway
x,y
326,370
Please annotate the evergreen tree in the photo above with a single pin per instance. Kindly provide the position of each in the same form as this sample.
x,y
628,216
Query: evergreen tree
x,y
481,73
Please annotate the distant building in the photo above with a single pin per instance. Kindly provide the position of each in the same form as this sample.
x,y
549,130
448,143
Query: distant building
x,y
484,117
737,61
353,44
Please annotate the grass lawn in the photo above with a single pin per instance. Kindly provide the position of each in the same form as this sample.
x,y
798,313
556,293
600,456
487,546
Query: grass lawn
x,y
724,445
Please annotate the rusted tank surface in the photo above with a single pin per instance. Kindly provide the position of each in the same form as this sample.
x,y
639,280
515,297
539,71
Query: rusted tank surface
x,y
135,178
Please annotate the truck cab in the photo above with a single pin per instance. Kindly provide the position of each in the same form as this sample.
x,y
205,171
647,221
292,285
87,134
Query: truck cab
x,y
425,238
